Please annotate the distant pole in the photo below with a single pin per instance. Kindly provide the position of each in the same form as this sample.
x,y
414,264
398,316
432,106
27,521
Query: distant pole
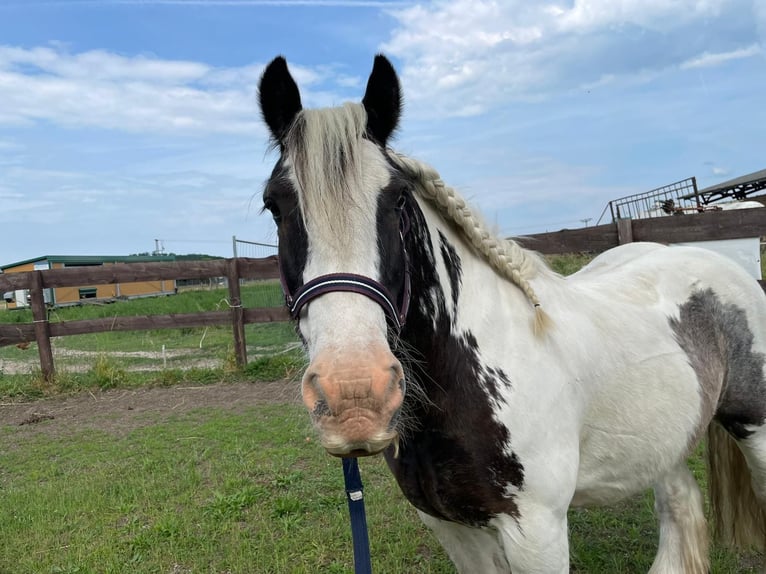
x,y
234,245
586,220
156,246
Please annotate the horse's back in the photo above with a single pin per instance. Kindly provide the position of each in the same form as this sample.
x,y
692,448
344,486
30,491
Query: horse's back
x,y
613,258
670,274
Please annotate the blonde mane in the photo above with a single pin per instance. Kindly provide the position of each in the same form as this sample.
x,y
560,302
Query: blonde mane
x,y
505,256
324,148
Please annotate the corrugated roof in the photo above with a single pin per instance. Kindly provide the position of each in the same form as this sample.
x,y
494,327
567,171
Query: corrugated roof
x,y
742,181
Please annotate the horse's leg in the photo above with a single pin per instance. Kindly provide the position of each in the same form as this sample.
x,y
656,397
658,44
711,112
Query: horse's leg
x,y
537,541
683,530
472,550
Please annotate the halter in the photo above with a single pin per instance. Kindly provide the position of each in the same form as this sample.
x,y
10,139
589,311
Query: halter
x,y
396,313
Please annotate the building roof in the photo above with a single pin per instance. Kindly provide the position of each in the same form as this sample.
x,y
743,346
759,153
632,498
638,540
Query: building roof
x,y
737,188
75,260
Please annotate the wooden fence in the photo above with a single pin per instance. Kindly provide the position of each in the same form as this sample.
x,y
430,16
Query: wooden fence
x,y
706,226
699,227
41,329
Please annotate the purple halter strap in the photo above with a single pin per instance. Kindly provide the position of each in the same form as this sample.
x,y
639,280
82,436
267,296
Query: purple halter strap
x,y
353,283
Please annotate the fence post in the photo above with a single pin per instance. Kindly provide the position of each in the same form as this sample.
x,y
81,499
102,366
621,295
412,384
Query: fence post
x,y
237,312
624,231
42,330
696,193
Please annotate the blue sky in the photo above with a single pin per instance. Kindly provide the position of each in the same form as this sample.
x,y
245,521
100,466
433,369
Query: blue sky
x,y
126,121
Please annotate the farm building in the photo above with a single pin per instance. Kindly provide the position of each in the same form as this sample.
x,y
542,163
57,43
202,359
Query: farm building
x,y
73,295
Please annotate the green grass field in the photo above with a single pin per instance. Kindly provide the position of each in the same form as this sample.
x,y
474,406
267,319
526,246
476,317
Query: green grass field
x,y
208,491
217,491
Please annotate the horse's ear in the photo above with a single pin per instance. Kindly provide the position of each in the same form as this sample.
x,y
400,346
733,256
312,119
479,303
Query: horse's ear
x,y
382,100
279,98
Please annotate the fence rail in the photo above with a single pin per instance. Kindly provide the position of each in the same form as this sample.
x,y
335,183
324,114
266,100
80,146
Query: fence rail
x,y
41,329
708,226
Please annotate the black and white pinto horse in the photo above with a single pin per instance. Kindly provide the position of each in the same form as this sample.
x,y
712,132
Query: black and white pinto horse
x,y
507,393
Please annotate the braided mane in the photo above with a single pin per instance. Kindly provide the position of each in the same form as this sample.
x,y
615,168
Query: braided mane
x,y
505,256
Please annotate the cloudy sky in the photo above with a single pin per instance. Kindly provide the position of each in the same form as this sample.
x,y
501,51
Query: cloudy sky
x,y
126,121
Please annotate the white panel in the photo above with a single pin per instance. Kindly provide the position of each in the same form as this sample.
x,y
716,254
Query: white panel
x,y
746,252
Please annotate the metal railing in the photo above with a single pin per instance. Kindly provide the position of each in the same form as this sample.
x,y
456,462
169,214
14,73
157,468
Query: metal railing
x,y
671,199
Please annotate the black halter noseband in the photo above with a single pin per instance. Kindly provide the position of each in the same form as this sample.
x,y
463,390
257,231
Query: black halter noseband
x,y
396,312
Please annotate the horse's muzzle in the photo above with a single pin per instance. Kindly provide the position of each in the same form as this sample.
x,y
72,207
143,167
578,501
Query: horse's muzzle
x,y
354,400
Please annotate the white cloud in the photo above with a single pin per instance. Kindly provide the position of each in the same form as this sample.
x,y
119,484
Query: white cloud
x,y
101,65
707,60
588,15
465,57
141,94
216,3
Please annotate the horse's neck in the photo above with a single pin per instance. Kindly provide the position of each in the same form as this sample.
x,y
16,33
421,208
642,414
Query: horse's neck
x,y
453,287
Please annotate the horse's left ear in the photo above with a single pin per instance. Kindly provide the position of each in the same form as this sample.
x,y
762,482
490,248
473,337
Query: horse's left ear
x,y
382,100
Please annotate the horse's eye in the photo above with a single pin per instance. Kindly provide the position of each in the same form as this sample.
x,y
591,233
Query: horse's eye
x,y
400,203
274,209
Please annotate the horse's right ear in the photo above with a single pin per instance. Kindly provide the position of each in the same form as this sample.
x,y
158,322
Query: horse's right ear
x,y
279,98
382,100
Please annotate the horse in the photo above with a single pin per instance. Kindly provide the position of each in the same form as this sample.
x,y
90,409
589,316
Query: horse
x,y
499,392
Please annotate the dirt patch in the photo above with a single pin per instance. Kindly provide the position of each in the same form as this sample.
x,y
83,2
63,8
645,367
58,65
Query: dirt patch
x,y
120,411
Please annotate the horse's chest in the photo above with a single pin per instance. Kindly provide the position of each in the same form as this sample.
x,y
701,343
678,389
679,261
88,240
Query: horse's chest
x,y
455,479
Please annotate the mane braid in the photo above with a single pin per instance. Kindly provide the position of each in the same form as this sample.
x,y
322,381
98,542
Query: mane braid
x,y
507,257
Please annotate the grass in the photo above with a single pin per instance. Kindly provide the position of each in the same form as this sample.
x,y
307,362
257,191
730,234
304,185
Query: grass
x,y
209,491
569,263
217,491
275,368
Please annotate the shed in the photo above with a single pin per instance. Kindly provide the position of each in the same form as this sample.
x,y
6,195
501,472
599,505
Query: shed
x,y
74,295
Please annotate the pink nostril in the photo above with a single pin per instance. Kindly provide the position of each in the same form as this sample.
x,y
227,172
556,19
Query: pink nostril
x,y
313,397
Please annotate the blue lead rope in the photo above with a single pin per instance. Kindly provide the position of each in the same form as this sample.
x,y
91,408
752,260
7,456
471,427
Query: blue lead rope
x,y
355,495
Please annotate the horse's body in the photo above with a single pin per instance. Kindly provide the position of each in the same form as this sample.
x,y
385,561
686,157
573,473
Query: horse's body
x,y
511,414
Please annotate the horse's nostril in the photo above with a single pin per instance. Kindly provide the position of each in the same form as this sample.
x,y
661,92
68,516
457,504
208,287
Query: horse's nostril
x,y
321,409
311,382
397,377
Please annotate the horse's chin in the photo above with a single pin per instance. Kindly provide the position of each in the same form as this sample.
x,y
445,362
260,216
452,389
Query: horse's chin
x,y
358,453
344,449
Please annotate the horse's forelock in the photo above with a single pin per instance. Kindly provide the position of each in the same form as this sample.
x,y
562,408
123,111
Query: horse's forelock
x,y
324,148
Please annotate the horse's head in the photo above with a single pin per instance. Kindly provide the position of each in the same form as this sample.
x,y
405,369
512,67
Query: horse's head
x,y
338,205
